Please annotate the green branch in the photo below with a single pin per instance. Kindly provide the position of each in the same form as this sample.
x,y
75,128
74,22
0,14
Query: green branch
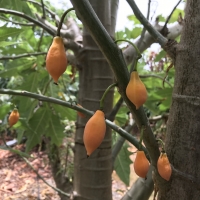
x,y
39,97
153,32
115,59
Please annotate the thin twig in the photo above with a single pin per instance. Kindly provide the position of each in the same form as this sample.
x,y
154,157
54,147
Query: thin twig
x,y
155,76
40,5
40,41
168,18
43,10
22,56
155,34
20,14
17,23
144,29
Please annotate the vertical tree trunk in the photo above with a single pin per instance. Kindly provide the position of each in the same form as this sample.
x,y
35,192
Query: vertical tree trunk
x,y
92,176
183,137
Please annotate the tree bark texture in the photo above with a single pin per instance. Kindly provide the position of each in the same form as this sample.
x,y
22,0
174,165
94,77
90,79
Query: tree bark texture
x,y
183,138
92,176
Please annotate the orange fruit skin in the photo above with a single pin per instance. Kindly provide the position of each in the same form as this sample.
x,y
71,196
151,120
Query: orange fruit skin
x,y
94,132
56,60
164,167
13,117
141,164
136,90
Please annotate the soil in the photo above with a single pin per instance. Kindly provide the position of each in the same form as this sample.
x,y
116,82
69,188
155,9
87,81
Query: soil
x,y
19,182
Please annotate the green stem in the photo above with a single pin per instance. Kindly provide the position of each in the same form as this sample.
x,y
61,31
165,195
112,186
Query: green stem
x,y
137,50
61,20
124,40
104,95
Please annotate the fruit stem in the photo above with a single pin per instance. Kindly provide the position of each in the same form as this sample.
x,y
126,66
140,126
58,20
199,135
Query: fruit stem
x,y
61,21
141,137
137,50
104,95
162,143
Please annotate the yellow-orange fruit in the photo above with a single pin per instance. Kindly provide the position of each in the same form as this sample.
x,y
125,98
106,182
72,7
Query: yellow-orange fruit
x,y
136,90
14,117
80,114
164,167
141,164
94,132
56,60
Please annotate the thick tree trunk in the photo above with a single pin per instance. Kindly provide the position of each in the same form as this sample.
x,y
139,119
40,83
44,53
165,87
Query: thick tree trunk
x,y
183,138
92,176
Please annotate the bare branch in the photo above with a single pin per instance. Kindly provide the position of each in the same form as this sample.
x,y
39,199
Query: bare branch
x,y
20,14
156,35
22,56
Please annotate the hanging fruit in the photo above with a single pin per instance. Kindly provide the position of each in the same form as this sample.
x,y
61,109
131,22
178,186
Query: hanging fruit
x,y
141,164
13,117
164,167
94,132
136,90
56,60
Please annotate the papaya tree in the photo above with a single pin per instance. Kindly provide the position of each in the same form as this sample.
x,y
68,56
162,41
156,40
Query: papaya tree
x,y
95,61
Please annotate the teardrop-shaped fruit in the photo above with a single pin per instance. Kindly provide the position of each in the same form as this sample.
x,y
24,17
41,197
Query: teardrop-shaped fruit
x,y
13,117
164,167
136,90
80,114
94,132
56,60
141,164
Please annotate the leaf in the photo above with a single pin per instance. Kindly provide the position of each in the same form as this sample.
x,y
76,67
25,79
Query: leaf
x,y
5,108
38,124
136,32
134,19
162,54
65,112
175,15
122,164
6,32
55,130
5,44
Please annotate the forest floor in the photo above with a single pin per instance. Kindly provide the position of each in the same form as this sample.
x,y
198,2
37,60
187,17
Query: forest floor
x,y
19,182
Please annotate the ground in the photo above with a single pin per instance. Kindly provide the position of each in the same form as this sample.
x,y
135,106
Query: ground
x,y
19,182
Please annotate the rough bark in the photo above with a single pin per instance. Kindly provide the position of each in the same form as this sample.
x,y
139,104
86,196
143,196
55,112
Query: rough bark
x,y
92,176
182,141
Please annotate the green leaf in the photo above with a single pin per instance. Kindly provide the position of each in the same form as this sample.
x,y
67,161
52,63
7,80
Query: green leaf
x,y
161,18
6,32
38,124
55,130
122,164
134,19
5,108
136,32
65,112
5,44
161,55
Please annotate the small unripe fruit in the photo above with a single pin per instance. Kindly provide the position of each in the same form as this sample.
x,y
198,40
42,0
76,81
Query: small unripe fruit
x,y
141,164
56,60
164,167
94,132
13,117
136,90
